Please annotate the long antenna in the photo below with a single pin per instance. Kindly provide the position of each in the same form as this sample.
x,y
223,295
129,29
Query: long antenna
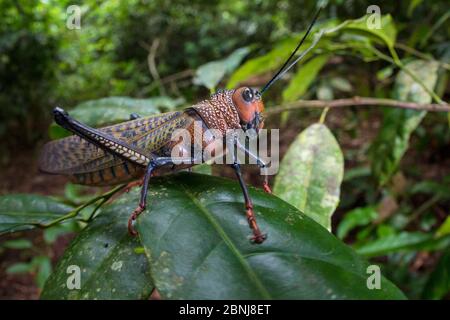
x,y
280,72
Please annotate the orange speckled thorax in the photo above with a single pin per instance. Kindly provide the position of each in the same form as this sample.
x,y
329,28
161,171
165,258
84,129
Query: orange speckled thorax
x,y
219,112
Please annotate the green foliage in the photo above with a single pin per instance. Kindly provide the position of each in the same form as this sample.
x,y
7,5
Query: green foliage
x,y
311,174
76,194
28,52
257,66
354,218
210,74
26,211
195,244
17,244
52,233
303,78
386,33
118,109
444,229
39,265
398,125
438,284
110,269
396,242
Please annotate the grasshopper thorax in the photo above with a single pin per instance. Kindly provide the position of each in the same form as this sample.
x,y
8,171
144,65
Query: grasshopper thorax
x,y
232,109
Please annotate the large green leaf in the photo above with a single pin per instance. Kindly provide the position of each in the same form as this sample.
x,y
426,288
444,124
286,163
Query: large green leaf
x,y
210,74
396,242
262,64
25,211
105,254
304,77
354,218
311,174
386,33
105,111
196,239
398,124
444,228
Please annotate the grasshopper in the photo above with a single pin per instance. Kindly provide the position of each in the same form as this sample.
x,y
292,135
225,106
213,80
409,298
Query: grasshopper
x,y
143,147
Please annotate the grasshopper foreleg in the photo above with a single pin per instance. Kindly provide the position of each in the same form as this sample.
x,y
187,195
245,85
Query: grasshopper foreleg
x,y
260,164
143,199
258,237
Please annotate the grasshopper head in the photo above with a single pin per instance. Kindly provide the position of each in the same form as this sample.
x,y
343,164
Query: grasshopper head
x,y
250,107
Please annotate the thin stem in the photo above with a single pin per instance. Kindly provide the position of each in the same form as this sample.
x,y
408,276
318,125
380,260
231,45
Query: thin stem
x,y
423,208
436,26
151,61
92,215
357,101
419,81
395,60
421,55
104,197
323,115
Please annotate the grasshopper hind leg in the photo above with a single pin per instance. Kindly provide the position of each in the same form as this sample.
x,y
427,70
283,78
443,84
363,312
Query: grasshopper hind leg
x,y
154,164
143,199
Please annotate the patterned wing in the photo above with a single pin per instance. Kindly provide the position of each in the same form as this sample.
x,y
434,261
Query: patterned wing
x,y
73,155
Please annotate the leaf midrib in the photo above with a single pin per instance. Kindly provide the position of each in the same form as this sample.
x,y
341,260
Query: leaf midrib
x,y
231,246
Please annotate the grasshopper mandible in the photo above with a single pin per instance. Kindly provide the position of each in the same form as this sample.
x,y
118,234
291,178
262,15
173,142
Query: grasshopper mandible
x,y
141,147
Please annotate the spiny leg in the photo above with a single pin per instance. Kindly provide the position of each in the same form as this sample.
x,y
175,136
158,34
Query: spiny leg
x,y
258,237
142,200
115,147
154,164
101,139
261,164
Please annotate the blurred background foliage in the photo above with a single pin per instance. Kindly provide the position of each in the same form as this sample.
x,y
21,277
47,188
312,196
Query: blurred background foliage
x,y
395,193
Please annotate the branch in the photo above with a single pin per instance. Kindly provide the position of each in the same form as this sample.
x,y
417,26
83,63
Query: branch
x,y
152,63
357,101
72,214
421,55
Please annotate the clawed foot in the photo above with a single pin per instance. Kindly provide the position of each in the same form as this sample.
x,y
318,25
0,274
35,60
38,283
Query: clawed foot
x,y
258,238
132,220
266,187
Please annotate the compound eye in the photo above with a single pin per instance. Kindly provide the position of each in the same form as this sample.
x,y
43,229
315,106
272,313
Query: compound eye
x,y
248,95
